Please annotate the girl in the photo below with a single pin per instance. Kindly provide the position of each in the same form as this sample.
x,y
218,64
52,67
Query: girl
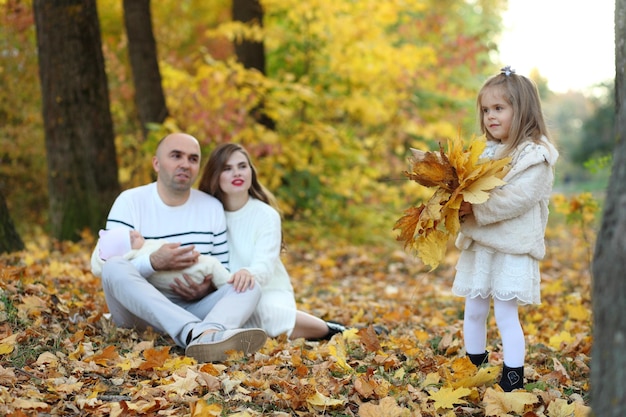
x,y
502,239
255,242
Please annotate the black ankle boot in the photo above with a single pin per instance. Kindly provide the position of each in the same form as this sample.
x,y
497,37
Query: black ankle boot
x,y
478,358
512,378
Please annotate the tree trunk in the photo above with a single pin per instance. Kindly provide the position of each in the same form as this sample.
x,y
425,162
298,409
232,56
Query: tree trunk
x,y
251,54
82,165
149,97
10,240
608,361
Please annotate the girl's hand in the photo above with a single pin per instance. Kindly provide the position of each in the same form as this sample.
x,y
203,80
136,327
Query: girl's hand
x,y
242,280
465,209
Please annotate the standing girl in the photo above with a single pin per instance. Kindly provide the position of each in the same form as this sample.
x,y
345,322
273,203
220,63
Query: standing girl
x,y
255,243
502,239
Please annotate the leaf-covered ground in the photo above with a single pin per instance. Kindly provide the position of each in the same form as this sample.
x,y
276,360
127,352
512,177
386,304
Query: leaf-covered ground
x,y
60,356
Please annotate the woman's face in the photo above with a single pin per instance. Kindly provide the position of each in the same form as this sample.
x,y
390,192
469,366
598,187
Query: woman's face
x,y
236,177
497,114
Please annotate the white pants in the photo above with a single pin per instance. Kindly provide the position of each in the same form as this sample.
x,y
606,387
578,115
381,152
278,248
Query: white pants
x,y
134,302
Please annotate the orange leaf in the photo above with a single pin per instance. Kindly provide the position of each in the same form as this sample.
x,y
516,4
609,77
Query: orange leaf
x,y
155,358
103,358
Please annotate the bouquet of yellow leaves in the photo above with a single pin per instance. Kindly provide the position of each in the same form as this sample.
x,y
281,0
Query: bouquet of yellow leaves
x,y
458,175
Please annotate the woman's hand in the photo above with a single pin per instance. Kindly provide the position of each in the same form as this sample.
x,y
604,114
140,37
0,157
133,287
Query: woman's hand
x,y
242,280
190,290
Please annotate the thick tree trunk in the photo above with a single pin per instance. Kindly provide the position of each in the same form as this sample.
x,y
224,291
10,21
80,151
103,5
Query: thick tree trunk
x,y
10,240
251,54
149,97
608,361
82,165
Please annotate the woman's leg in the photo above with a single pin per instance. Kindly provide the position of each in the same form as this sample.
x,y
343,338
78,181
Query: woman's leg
x,y
308,327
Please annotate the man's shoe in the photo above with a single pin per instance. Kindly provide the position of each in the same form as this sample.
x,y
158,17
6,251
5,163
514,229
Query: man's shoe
x,y
212,347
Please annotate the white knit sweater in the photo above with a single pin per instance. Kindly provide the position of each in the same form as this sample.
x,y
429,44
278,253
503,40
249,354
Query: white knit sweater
x,y
255,235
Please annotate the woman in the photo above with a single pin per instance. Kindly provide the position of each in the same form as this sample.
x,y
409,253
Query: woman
x,y
255,242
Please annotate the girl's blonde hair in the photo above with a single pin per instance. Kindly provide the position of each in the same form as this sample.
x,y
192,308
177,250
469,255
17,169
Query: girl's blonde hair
x,y
521,93
210,181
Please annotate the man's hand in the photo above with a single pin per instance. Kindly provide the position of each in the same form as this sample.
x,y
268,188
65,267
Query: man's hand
x,y
242,280
190,290
173,257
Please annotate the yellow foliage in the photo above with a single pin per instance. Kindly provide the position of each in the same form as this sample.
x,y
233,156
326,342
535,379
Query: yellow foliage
x,y
447,397
456,175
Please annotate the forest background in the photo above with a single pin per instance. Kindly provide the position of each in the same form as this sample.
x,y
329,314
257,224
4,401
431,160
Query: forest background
x,y
350,87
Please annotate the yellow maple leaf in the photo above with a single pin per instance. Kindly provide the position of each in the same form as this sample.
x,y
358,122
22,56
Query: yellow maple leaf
x,y
337,350
386,407
458,175
499,403
432,248
477,192
562,338
447,397
484,376
202,408
183,384
7,345
320,402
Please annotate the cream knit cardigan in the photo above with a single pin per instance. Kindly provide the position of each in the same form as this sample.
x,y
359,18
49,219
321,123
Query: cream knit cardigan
x,y
513,220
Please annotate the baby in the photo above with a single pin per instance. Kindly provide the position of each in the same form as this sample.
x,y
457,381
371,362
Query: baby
x,y
130,244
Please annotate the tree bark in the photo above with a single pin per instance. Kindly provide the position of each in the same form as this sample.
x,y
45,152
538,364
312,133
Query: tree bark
x,y
251,54
608,361
10,240
82,165
149,97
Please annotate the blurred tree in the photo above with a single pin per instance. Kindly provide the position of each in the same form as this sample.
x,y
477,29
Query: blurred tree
x,y
10,240
598,131
82,165
251,53
142,49
22,149
608,387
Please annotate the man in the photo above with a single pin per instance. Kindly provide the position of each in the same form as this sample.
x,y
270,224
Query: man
x,y
170,209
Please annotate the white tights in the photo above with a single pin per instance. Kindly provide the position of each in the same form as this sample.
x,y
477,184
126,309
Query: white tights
x,y
507,320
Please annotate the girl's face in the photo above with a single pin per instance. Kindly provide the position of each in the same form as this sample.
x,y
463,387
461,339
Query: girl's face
x,y
236,177
497,114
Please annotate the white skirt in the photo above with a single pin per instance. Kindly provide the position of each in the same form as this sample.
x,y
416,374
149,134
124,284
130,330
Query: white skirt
x,y
483,272
275,313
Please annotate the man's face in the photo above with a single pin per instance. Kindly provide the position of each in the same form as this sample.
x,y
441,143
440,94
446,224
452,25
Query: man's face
x,y
177,162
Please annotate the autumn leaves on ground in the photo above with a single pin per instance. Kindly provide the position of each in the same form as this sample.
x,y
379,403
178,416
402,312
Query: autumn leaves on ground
x,y
59,355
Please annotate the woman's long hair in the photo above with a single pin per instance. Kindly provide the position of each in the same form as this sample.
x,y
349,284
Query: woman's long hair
x,y
210,181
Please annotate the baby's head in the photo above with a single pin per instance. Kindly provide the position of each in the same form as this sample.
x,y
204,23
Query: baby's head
x,y
118,241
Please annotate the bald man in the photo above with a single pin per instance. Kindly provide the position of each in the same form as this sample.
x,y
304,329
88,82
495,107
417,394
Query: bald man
x,y
169,208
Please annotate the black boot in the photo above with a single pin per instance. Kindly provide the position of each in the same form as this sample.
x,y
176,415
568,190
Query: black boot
x,y
333,329
478,358
512,378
